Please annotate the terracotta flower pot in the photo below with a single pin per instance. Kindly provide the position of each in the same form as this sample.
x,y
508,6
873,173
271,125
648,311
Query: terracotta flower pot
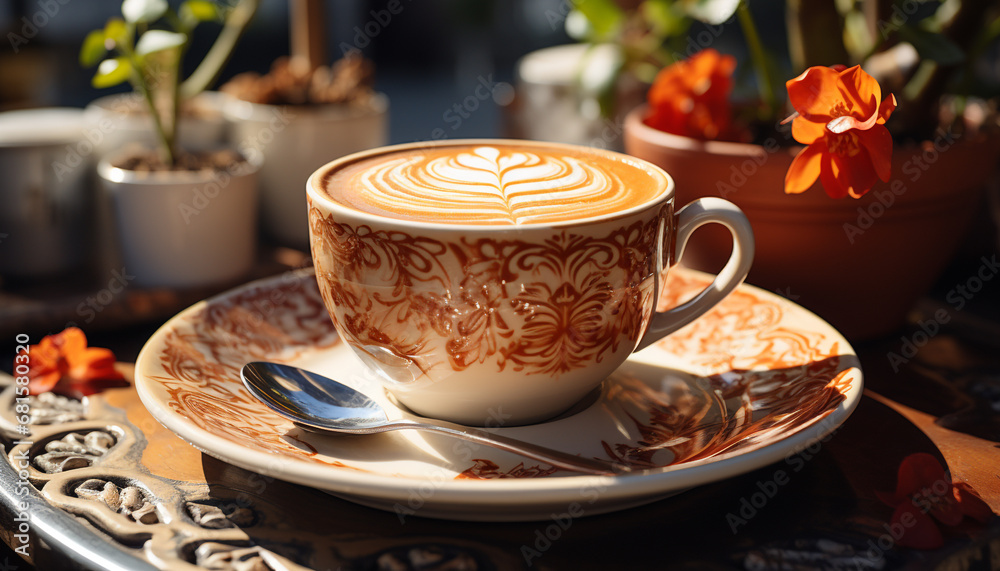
x,y
861,264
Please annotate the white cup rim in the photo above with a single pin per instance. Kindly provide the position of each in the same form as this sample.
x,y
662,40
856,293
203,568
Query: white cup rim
x,y
332,206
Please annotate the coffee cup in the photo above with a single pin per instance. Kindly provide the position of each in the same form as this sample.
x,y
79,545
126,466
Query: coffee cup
x,y
498,282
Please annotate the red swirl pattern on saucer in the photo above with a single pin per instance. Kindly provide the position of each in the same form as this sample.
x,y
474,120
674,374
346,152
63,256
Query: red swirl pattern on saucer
x,y
754,380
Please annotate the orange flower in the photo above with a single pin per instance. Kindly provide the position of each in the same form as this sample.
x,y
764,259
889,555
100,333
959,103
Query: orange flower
x,y
691,97
64,363
841,117
924,489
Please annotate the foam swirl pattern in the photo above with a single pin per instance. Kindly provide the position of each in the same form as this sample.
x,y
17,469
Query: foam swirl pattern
x,y
494,185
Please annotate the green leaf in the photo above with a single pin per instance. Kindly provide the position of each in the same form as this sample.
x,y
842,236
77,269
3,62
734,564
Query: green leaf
x,y
143,11
605,17
117,31
712,12
111,72
932,46
92,51
158,40
194,11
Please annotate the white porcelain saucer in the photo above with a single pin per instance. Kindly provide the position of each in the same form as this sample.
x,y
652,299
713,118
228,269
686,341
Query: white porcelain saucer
x,y
754,381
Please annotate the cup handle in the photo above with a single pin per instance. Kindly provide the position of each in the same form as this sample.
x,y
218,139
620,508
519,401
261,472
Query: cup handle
x,y
687,220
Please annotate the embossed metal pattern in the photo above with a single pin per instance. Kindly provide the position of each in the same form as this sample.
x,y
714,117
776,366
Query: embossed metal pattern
x,y
85,458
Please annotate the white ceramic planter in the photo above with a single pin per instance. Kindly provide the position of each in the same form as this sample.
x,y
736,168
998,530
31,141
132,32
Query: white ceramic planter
x,y
46,217
295,141
184,229
115,121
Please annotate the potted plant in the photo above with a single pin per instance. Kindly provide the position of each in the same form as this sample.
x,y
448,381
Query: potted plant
x,y
124,117
898,141
301,115
184,218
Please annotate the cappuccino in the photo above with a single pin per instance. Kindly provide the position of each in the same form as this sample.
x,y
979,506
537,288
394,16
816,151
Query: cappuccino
x,y
484,275
494,184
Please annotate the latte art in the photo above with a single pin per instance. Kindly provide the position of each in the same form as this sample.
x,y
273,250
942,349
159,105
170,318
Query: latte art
x,y
494,184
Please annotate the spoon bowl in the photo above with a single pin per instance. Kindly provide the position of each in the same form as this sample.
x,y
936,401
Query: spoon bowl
x,y
311,399
319,403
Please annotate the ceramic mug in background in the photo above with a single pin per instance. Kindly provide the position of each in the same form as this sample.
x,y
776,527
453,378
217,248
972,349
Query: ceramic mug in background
x,y
500,281
46,221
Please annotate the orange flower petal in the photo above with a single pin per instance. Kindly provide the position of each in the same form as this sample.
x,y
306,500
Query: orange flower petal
x,y
917,471
70,341
886,108
691,97
814,93
856,173
804,170
861,92
806,131
878,142
43,383
917,528
45,355
63,362
922,478
845,123
846,176
829,176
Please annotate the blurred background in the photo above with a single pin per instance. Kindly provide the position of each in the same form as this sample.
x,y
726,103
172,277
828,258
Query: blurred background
x,y
431,56
450,69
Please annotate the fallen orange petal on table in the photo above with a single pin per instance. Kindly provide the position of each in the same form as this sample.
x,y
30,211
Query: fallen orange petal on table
x,y
63,363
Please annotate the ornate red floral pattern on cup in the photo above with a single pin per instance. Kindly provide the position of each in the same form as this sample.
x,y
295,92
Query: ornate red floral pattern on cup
x,y
537,307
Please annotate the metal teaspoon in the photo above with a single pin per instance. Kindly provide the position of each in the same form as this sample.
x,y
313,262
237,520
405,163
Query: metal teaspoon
x,y
320,403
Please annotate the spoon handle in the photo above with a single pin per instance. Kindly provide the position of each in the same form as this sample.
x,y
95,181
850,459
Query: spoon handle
x,y
549,456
